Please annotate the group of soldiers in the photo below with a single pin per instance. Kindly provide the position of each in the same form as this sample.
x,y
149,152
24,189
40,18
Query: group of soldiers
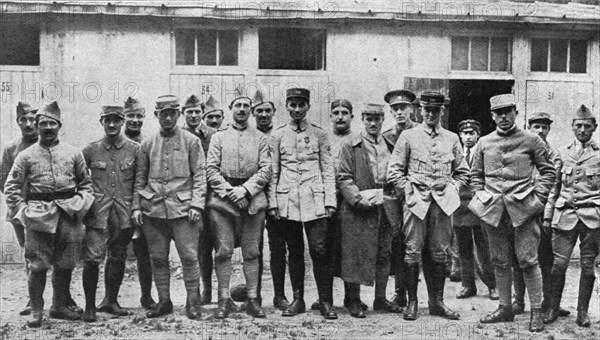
x,y
372,203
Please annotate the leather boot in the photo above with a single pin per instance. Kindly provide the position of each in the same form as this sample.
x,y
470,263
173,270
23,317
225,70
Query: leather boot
x,y
280,302
224,307
502,314
71,304
192,306
206,270
144,269
60,285
316,305
36,282
518,307
586,288
557,284
297,306
113,276
400,285
90,283
536,323
327,310
254,309
412,282
467,292
352,293
163,307
27,309
436,298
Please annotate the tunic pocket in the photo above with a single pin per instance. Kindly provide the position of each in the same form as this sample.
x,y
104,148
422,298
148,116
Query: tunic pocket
x,y
282,195
127,169
98,169
319,199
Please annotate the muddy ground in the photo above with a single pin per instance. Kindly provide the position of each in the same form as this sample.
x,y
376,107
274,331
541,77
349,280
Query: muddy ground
x,y
13,296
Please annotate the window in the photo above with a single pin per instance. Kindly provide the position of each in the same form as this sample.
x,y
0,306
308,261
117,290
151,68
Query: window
x,y
481,54
206,47
559,55
291,49
19,45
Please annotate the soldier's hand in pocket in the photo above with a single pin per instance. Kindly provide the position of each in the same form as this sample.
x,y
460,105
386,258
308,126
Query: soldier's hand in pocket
x,y
274,213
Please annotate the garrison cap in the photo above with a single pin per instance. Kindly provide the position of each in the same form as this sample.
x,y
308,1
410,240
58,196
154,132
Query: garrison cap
x,y
399,97
540,115
469,124
239,94
167,102
192,101
341,102
373,109
211,105
432,98
583,113
260,99
23,109
133,105
501,101
112,110
51,111
298,93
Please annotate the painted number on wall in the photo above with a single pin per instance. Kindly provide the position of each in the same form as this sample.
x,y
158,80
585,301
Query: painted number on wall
x,y
7,86
550,95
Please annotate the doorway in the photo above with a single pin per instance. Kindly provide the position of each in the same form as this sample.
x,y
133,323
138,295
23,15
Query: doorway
x,y
470,99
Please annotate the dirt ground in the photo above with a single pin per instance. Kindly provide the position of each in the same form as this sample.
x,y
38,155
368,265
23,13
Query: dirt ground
x,y
13,296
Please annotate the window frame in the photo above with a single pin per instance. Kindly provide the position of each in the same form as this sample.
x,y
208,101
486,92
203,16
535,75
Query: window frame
x,y
476,73
224,69
549,38
276,71
22,67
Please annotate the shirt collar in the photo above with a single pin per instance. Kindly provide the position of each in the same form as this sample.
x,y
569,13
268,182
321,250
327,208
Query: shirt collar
x,y
507,132
341,133
370,138
298,126
240,127
163,133
265,130
429,129
117,144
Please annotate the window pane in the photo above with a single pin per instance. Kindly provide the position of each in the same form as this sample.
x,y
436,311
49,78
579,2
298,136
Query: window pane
x,y
207,47
460,53
184,47
291,49
539,55
479,53
19,45
228,47
499,54
558,55
578,61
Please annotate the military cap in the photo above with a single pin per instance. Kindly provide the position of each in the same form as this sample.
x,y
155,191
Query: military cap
x,y
399,97
583,113
51,111
540,115
501,101
298,93
211,105
133,105
469,124
192,101
373,109
112,110
167,102
23,109
239,94
432,98
260,99
341,102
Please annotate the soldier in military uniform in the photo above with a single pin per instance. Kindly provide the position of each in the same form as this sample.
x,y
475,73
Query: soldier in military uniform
x,y
469,234
426,169
540,123
366,234
112,161
576,199
402,105
302,194
192,112
238,168
51,209
213,114
509,204
29,136
134,119
168,200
